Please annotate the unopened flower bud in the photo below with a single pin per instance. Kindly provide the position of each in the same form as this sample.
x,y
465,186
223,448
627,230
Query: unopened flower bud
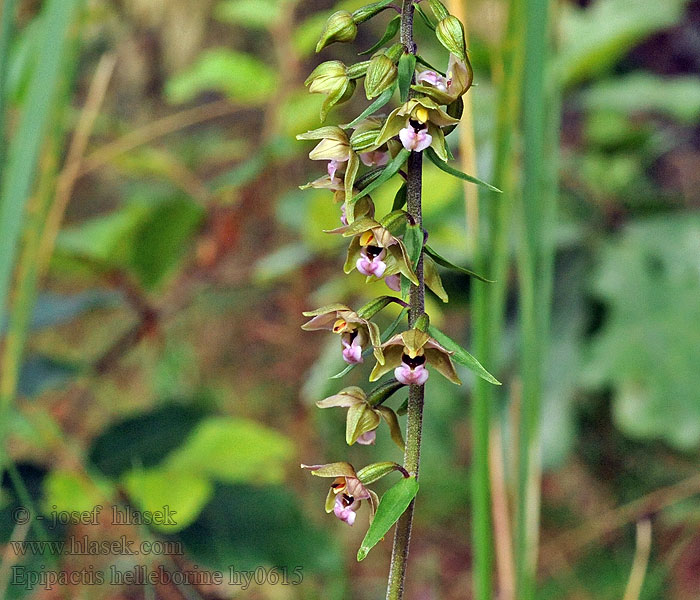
x,y
381,74
327,78
340,27
450,33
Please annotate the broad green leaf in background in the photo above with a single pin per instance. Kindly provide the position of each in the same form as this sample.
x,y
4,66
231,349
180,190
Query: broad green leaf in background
x,y
675,97
594,39
185,493
143,440
162,239
69,491
393,504
647,349
243,78
233,450
248,526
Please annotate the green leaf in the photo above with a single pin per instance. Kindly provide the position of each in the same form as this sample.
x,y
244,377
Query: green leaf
x,y
70,491
443,166
392,29
400,198
233,450
676,97
163,239
461,355
381,101
144,439
242,77
392,505
183,493
647,348
389,171
407,67
594,39
424,16
248,526
413,240
443,262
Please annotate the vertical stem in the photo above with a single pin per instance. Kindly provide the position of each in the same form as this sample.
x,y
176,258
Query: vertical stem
x,y
402,534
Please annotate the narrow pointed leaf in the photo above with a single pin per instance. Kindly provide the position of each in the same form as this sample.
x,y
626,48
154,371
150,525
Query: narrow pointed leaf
x,y
461,355
443,262
413,240
392,505
426,19
392,29
407,66
400,198
381,101
389,171
443,166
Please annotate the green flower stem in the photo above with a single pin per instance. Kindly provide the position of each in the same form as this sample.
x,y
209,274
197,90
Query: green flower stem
x,y
402,534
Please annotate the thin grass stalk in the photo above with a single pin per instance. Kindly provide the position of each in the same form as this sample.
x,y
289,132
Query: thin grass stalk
x,y
534,266
492,260
21,177
20,170
7,29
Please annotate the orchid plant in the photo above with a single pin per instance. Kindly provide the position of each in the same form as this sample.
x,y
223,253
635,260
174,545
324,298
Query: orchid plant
x,y
361,156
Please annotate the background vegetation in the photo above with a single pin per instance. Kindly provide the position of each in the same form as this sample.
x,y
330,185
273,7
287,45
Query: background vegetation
x,y
156,255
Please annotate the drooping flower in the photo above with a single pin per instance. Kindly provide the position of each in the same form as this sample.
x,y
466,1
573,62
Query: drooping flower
x,y
349,488
363,418
418,123
375,252
447,89
346,492
355,332
334,146
409,353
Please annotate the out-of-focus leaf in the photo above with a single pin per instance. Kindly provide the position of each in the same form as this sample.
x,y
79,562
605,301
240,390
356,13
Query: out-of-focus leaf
x,y
676,97
233,451
40,373
162,239
249,526
648,346
183,493
144,440
106,240
393,504
70,491
596,38
54,309
282,262
242,77
252,14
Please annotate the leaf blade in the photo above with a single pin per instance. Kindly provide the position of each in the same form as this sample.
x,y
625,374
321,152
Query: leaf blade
x,y
461,355
443,166
393,504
